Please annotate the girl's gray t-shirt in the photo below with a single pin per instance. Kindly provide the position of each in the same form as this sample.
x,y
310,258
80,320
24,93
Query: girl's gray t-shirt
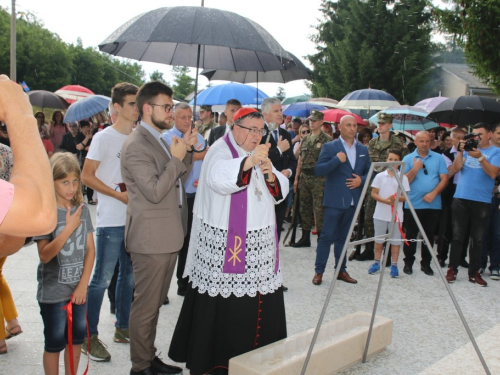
x,y
58,278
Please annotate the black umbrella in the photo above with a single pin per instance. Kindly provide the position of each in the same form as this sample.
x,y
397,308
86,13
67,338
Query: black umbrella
x,y
466,110
199,37
47,99
299,71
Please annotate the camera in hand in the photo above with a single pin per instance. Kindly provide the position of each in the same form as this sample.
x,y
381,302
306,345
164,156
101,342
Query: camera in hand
x,y
470,142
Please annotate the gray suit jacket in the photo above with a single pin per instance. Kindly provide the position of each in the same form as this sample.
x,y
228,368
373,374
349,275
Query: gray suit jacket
x,y
156,218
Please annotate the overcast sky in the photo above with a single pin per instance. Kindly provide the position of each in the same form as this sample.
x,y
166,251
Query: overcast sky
x,y
93,20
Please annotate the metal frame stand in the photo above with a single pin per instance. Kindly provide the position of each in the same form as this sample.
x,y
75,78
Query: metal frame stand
x,y
399,176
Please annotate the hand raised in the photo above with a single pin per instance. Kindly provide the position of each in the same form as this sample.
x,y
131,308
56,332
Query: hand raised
x,y
259,155
342,156
73,220
283,144
418,164
13,101
178,148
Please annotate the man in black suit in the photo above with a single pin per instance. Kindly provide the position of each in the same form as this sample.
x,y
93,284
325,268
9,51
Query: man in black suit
x,y
281,153
232,105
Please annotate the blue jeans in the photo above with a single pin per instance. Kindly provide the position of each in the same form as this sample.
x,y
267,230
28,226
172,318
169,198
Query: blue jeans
x,y
336,224
55,327
110,248
491,239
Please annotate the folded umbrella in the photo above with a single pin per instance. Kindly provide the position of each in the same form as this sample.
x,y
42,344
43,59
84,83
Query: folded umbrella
x,y
87,107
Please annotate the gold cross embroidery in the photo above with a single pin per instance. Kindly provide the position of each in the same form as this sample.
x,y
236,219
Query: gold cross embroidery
x,y
236,251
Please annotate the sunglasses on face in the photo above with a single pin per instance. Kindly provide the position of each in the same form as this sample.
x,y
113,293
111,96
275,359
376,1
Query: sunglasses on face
x,y
305,132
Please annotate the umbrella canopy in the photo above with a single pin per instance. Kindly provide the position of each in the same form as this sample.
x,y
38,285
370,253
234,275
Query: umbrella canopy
x,y
73,93
368,99
327,102
430,103
466,110
86,108
299,71
406,117
173,35
46,99
334,115
295,99
302,109
222,93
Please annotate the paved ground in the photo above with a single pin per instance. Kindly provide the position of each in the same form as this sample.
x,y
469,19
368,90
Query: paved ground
x,y
426,325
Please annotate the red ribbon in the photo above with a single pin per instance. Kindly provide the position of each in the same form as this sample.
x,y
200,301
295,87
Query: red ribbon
x,y
398,221
69,314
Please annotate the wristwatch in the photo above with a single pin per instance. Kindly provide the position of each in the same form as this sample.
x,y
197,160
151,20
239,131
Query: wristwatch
x,y
480,159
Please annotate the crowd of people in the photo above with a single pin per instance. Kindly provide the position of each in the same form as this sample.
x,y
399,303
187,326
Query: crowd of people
x,y
211,201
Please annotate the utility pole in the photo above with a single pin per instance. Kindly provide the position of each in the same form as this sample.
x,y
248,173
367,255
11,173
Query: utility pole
x,y
13,43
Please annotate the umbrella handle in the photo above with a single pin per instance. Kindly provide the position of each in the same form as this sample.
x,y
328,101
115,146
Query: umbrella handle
x,y
193,149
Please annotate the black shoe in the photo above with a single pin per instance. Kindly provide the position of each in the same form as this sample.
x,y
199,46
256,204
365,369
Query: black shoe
x,y
407,269
426,268
305,241
464,264
442,263
288,219
166,302
368,254
112,309
162,368
181,291
148,371
285,289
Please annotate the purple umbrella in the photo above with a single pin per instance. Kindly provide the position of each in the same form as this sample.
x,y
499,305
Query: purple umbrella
x,y
430,103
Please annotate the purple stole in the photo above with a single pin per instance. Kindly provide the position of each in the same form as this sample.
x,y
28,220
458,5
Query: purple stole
x,y
234,257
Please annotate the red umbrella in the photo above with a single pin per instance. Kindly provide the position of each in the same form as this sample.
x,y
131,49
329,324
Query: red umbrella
x,y
73,93
334,115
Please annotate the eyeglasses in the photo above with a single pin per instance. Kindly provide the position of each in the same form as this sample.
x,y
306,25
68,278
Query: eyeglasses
x,y
260,132
305,132
425,170
40,116
166,107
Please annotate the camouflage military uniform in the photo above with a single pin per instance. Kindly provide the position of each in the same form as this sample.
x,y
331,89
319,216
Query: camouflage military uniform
x,y
378,151
202,128
311,187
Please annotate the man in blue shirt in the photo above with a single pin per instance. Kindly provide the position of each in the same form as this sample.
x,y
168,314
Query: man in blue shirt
x,y
428,176
182,122
472,199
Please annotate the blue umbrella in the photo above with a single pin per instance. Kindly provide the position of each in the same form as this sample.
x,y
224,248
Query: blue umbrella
x,y
302,109
85,108
219,95
406,117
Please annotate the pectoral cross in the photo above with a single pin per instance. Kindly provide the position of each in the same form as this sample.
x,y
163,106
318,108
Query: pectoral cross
x,y
258,193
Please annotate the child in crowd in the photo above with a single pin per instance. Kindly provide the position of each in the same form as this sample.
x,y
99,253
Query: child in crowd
x,y
384,188
67,257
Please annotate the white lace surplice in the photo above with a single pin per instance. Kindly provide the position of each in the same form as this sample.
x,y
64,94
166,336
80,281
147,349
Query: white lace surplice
x,y
207,244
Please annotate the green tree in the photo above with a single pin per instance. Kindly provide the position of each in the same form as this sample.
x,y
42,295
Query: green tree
x,y
158,76
372,43
45,62
280,94
183,82
474,24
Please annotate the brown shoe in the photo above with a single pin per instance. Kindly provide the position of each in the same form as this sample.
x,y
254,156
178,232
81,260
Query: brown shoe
x,y
344,276
318,278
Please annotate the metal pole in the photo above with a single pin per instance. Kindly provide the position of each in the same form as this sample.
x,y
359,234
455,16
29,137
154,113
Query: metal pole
x,y
337,271
386,254
13,42
447,285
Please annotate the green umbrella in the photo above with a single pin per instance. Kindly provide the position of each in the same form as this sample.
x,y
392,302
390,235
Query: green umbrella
x,y
295,99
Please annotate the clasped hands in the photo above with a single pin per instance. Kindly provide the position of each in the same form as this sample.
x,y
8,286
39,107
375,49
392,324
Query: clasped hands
x,y
180,146
260,157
